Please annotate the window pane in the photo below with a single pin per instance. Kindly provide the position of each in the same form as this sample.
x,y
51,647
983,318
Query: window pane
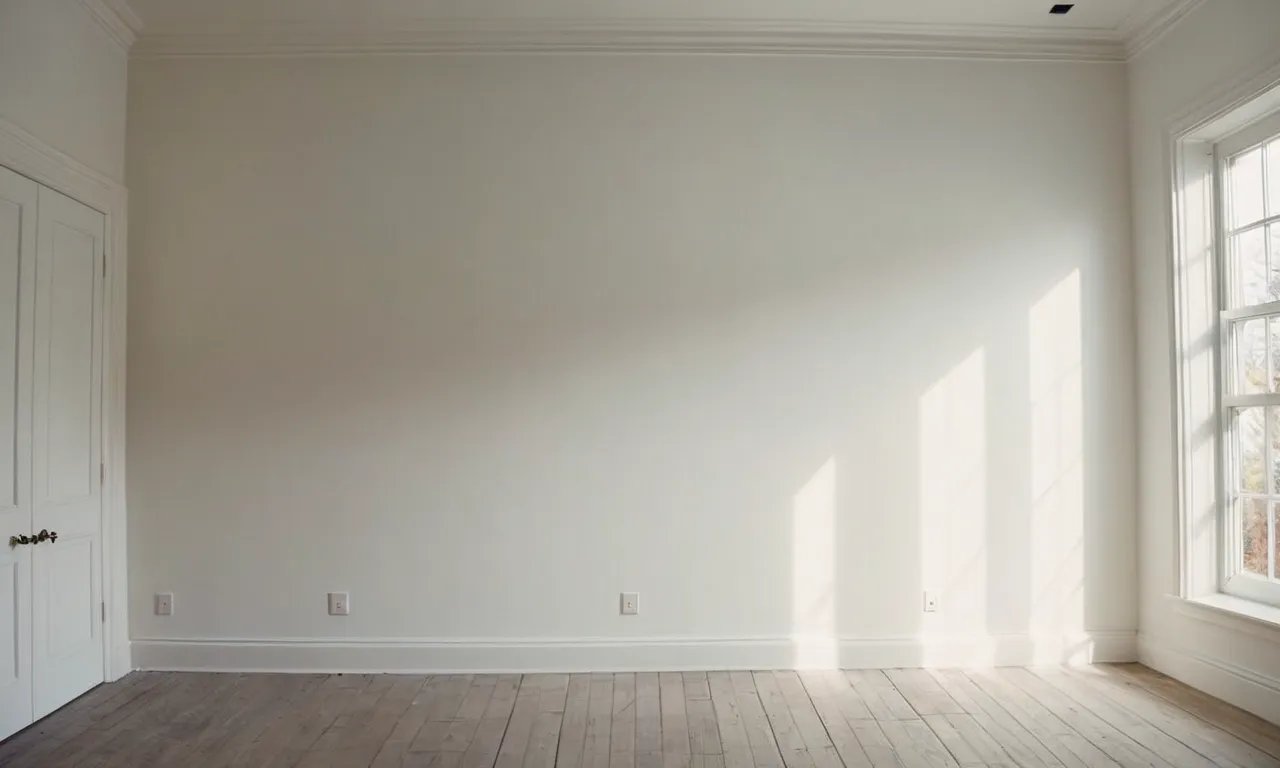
x,y
1253,478
1275,554
1273,178
1245,188
1273,234
1251,356
1254,523
1250,252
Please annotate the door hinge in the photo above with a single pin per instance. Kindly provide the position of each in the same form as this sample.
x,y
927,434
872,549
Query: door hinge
x,y
104,612
102,474
104,264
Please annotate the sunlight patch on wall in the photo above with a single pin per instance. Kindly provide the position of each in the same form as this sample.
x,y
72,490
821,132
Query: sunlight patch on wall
x,y
953,499
813,560
1057,473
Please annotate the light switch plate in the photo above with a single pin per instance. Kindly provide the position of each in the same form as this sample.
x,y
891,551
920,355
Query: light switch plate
x,y
339,603
630,603
164,603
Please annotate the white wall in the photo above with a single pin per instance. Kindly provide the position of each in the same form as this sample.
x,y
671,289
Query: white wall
x,y
63,79
1221,45
777,343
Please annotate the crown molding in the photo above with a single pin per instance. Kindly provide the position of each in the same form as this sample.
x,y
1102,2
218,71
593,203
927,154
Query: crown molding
x,y
1142,29
117,19
635,36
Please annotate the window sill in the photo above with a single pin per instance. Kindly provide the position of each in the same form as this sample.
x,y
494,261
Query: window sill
x,y
1233,613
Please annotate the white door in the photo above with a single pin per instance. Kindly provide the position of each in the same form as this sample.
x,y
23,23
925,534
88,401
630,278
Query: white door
x,y
18,201
66,575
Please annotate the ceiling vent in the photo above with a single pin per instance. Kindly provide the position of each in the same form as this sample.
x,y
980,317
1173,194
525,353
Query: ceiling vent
x,y
1062,9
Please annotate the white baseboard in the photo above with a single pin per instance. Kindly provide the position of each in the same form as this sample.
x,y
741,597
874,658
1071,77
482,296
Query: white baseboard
x,y
1249,690
639,654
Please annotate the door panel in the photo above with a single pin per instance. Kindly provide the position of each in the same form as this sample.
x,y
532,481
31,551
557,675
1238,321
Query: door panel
x,y
67,633
70,384
18,208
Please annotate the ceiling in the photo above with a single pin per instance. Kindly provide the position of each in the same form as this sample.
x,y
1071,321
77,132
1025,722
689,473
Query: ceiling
x,y
1090,15
1098,30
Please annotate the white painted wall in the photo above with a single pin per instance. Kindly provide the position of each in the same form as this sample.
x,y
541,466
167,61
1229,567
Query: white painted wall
x,y
63,79
1220,45
777,343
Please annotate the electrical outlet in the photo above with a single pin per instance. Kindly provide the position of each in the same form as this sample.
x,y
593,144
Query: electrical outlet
x,y
164,603
930,602
339,603
630,603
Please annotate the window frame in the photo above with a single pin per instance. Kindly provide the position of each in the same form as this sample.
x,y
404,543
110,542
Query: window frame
x,y
1234,580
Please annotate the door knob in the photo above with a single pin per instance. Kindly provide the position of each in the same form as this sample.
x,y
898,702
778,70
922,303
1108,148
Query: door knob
x,y
44,535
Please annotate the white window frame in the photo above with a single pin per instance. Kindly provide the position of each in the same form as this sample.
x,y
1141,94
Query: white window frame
x,y
1206,545
1234,579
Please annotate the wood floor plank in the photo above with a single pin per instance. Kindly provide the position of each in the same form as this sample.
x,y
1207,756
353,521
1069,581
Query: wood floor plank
x,y
595,748
524,712
704,733
817,742
1219,746
1069,747
967,741
111,724
785,732
360,740
1243,725
733,735
875,743
483,751
141,740
573,729
1119,746
648,719
622,733
396,746
181,718
30,746
696,687
76,717
1019,743
922,692
675,723
1099,717
882,698
916,745
1166,747
832,719
764,746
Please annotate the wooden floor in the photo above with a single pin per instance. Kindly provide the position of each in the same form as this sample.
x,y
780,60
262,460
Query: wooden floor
x,y
1105,715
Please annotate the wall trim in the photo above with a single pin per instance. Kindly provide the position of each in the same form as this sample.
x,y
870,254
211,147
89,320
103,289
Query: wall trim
x,y
1245,688
633,36
608,654
117,19
1140,32
26,154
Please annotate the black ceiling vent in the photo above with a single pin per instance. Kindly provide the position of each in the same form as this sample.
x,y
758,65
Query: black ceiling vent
x,y
1062,8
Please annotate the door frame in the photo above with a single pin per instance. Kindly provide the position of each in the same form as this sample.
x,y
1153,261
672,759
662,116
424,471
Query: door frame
x,y
24,153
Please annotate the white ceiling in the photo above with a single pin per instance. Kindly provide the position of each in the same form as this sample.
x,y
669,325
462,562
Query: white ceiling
x,y
1088,17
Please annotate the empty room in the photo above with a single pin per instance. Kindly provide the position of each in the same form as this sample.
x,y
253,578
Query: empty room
x,y
615,384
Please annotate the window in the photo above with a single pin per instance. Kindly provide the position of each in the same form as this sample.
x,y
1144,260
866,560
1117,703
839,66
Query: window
x,y
1247,235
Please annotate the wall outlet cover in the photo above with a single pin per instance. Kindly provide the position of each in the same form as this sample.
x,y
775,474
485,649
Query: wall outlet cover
x,y
630,603
930,602
164,603
339,604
